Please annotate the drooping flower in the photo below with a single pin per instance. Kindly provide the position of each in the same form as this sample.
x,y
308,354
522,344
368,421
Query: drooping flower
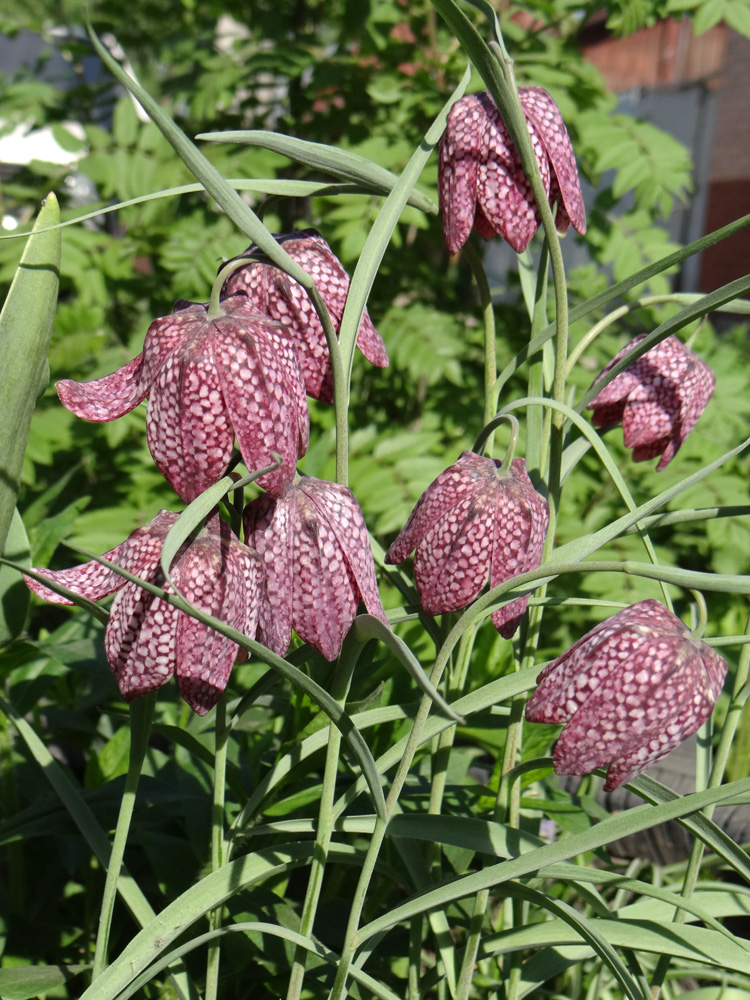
x,y
318,563
630,691
285,300
480,179
208,380
148,640
476,520
658,399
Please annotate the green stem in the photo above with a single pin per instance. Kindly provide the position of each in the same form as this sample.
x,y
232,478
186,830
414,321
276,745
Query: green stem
x,y
487,432
488,319
340,387
538,423
350,653
141,714
721,757
218,844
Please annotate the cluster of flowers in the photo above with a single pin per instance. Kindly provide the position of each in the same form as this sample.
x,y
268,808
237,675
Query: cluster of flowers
x,y
630,691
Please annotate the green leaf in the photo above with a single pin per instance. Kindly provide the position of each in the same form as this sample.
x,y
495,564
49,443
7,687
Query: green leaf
x,y
14,594
25,328
30,981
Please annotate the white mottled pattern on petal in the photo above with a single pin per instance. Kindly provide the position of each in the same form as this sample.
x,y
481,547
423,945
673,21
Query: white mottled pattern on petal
x,y
462,146
139,554
140,641
269,530
630,691
544,113
189,432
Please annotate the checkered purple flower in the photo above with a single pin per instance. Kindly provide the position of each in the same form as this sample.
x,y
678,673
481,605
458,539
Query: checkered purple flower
x,y
476,520
148,640
318,562
629,691
658,399
283,299
480,179
208,380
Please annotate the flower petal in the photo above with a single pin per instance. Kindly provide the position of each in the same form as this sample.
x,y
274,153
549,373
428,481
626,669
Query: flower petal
x,y
268,529
461,147
140,641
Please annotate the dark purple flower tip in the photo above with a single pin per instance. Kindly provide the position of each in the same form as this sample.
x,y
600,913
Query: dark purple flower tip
x,y
658,399
480,179
471,523
630,691
148,640
207,381
283,299
318,565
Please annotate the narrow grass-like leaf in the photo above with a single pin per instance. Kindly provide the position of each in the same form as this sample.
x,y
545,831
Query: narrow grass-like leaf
x,y
605,832
382,229
25,328
217,186
28,981
327,159
82,602
14,594
368,627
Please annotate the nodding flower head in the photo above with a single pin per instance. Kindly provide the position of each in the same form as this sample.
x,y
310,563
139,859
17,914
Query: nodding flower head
x,y
208,380
148,640
318,563
477,520
629,692
283,299
481,181
657,399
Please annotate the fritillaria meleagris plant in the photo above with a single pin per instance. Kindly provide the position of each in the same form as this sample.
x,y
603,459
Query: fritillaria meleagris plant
x,y
658,399
630,691
318,562
147,641
479,519
481,183
208,379
282,298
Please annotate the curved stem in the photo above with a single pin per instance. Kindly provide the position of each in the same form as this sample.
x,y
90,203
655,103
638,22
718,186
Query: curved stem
x,y
486,433
141,714
490,335
214,302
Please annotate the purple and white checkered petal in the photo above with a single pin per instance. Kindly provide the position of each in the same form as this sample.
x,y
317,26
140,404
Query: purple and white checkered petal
x,y
697,388
644,422
140,641
326,595
452,562
622,385
105,398
269,528
461,147
337,505
469,476
679,707
544,113
256,390
188,429
139,554
250,280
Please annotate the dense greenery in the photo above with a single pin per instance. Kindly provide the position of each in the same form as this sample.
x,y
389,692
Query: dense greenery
x,y
370,78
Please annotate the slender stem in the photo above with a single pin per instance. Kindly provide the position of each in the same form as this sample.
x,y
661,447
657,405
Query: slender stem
x,y
141,714
486,433
218,844
340,387
340,688
488,318
214,302
538,423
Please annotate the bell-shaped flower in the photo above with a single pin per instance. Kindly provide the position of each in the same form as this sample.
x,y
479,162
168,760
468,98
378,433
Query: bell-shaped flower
x,y
478,519
481,182
148,640
318,565
630,691
657,399
283,299
208,380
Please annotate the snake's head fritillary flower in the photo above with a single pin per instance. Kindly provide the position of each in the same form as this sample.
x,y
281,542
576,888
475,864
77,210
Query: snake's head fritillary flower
x,y
285,300
476,520
480,179
208,380
629,691
318,565
148,640
658,399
